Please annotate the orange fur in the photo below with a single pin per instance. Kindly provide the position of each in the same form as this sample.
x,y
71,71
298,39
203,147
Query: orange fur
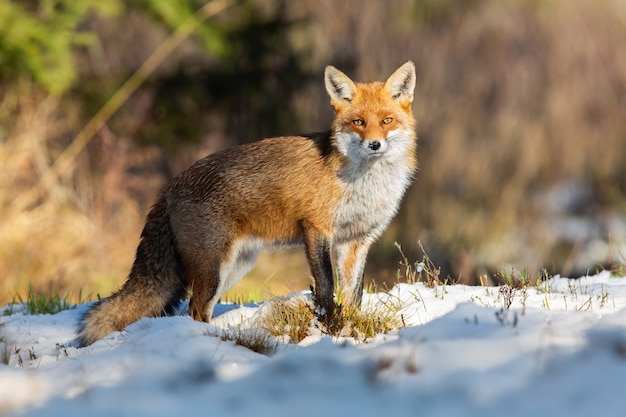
x,y
334,191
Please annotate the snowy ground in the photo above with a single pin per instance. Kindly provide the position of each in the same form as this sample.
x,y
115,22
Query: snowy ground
x,y
557,351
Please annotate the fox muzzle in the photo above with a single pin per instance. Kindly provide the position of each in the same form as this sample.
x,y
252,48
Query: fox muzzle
x,y
374,145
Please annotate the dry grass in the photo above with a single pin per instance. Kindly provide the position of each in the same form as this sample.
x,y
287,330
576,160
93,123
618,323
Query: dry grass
x,y
5,354
549,111
424,271
294,318
68,240
548,108
80,235
289,317
254,339
363,324
514,286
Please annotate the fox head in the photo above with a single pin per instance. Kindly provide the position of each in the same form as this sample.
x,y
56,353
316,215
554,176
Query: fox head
x,y
372,119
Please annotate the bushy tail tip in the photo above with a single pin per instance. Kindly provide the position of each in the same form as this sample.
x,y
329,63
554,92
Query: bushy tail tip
x,y
95,324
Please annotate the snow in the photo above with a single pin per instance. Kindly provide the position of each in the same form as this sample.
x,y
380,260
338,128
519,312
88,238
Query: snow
x,y
558,350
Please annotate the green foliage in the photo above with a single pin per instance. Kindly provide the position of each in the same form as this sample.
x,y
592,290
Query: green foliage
x,y
37,38
173,13
260,62
40,303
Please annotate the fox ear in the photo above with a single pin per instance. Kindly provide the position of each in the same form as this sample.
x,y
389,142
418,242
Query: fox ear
x,y
340,87
401,83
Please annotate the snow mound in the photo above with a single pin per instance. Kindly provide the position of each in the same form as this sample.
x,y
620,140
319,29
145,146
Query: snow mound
x,y
555,349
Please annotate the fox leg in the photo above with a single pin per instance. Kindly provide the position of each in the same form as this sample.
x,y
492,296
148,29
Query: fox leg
x,y
351,259
240,260
208,285
212,277
201,263
317,247
203,276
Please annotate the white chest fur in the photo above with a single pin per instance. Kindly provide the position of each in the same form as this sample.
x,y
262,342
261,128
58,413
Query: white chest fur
x,y
373,190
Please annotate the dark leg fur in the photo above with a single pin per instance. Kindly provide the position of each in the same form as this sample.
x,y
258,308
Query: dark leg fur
x,y
204,289
319,257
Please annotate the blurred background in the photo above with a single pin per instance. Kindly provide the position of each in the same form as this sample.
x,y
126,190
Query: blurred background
x,y
521,109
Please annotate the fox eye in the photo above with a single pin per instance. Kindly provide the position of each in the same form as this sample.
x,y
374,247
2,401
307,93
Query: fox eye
x,y
358,122
387,120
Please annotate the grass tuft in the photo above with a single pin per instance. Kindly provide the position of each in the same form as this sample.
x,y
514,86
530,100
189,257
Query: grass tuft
x,y
423,271
254,339
295,319
290,317
351,321
5,355
41,303
514,285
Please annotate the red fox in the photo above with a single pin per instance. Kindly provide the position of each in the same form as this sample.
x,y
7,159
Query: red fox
x,y
334,193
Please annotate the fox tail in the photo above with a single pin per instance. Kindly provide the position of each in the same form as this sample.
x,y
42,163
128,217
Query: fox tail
x,y
155,284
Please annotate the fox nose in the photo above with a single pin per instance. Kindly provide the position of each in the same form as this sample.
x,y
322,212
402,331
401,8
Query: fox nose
x,y
374,145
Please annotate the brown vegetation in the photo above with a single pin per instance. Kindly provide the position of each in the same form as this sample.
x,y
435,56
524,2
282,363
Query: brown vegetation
x,y
513,98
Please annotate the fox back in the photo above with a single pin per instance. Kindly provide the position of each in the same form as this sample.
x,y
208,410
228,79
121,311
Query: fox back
x,y
333,193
